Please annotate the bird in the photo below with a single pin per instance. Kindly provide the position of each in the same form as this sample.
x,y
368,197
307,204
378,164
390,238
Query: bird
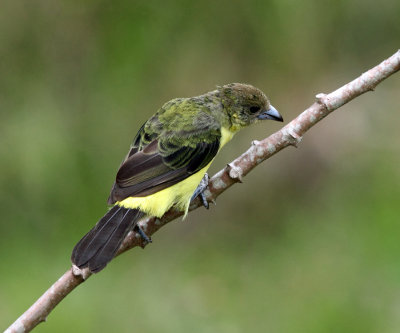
x,y
167,162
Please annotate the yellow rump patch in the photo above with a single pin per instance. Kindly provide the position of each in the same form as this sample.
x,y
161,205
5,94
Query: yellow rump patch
x,y
158,203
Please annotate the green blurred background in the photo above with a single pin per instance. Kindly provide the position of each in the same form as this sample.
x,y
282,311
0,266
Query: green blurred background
x,y
308,243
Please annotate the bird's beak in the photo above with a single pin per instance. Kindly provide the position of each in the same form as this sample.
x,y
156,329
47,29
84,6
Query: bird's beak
x,y
271,113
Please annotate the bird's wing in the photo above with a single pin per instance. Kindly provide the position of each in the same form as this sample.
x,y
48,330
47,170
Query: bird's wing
x,y
164,161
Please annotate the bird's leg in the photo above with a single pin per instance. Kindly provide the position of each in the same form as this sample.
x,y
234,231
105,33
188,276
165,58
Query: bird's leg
x,y
200,191
142,234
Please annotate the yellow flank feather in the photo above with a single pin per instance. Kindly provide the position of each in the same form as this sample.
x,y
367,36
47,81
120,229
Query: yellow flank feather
x,y
179,194
158,203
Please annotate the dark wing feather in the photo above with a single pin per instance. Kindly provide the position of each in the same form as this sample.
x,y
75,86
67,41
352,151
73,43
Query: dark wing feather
x,y
161,164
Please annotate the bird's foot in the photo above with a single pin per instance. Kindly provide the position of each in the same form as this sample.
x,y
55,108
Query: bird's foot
x,y
199,192
142,234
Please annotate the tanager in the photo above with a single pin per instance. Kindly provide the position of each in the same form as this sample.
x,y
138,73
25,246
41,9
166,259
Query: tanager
x,y
167,161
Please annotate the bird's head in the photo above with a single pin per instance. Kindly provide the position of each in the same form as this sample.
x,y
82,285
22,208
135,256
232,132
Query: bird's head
x,y
246,105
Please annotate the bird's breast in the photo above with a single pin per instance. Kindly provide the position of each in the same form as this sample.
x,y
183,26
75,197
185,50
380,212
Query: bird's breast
x,y
226,136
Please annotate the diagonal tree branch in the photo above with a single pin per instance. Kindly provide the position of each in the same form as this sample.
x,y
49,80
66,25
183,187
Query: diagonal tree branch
x,y
259,151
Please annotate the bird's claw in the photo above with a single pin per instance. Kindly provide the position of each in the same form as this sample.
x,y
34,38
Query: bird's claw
x,y
199,192
142,234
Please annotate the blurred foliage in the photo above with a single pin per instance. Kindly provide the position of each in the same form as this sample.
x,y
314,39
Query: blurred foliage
x,y
309,242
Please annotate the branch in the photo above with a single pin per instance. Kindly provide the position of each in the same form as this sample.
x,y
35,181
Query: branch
x,y
259,151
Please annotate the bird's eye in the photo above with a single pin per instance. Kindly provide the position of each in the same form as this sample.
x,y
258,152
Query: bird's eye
x,y
254,109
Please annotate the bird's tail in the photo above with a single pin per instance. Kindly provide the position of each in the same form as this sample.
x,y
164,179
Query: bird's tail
x,y
101,243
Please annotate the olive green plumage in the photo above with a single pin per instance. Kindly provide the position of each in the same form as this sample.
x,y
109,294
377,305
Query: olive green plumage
x,y
168,158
